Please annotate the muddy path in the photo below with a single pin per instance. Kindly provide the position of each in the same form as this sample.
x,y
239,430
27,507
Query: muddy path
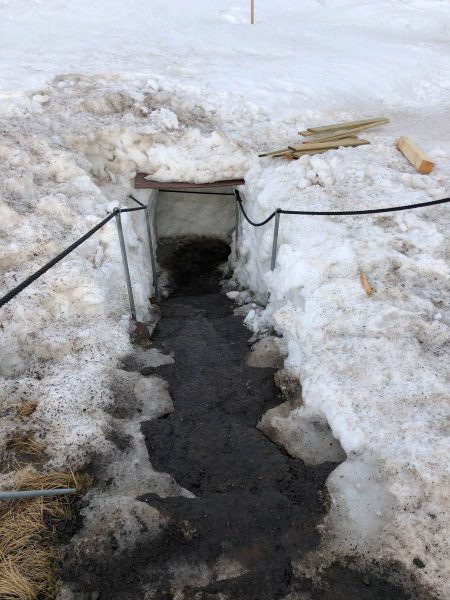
x,y
255,509
254,504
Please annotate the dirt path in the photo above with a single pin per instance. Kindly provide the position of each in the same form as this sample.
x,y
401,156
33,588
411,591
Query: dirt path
x,y
254,504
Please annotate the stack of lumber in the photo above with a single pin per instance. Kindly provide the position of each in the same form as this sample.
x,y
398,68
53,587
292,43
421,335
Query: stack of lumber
x,y
328,137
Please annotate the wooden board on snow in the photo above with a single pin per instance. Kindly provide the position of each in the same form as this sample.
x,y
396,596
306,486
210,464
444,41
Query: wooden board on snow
x,y
346,125
415,155
329,145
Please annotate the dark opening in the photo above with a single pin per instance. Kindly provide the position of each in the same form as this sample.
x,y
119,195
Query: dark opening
x,y
193,264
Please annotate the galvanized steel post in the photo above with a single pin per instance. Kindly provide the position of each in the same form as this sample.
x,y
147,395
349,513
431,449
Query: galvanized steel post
x,y
152,250
125,263
236,233
275,240
36,493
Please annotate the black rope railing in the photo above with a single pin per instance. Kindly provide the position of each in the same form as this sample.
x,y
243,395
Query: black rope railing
x,y
51,263
369,211
279,211
136,200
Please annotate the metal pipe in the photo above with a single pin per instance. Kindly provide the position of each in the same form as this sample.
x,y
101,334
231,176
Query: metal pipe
x,y
236,233
125,263
151,250
275,240
36,493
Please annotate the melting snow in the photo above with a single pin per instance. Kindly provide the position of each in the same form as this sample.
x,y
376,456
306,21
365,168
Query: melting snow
x,y
209,94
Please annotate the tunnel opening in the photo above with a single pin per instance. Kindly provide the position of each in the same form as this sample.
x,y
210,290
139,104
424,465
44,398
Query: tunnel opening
x,y
193,264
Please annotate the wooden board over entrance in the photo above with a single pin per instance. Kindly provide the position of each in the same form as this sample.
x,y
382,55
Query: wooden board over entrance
x,y
140,183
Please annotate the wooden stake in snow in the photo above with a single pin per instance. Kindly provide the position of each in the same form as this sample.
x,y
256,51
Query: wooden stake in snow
x,y
415,155
252,12
365,282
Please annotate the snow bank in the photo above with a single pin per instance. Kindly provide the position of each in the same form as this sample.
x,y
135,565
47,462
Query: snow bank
x,y
375,368
372,369
66,162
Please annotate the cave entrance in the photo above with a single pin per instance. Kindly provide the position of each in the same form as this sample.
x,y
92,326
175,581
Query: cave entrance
x,y
192,225
184,209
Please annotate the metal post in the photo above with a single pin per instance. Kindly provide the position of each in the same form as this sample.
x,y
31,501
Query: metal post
x,y
152,250
36,493
275,240
236,232
125,263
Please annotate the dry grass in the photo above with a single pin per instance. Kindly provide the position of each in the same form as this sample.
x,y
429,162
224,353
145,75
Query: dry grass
x,y
26,409
30,479
28,555
24,444
29,575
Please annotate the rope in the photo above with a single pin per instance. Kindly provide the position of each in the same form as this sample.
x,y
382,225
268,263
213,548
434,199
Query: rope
x,y
136,200
369,211
269,218
125,210
372,211
51,263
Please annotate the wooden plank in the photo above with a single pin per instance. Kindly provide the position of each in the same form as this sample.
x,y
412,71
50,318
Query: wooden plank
x,y
274,153
309,153
347,125
415,155
329,145
329,137
140,183
339,134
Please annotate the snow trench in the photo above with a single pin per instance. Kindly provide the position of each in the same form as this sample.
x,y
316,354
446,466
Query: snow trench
x,y
373,371
253,519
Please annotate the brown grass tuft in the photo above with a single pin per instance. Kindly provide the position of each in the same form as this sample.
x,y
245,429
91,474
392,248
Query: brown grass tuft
x,y
30,479
28,556
24,444
29,574
26,409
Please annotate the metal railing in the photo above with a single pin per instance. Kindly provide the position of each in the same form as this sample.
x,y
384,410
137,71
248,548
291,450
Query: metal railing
x,y
333,213
19,494
116,213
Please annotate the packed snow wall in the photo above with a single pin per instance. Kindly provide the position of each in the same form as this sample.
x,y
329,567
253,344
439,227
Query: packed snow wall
x,y
190,214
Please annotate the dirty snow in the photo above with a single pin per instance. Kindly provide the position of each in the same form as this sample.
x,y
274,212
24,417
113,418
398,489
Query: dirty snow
x,y
193,93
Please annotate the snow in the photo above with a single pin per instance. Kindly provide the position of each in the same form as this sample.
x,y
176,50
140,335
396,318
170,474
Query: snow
x,y
179,214
193,93
376,368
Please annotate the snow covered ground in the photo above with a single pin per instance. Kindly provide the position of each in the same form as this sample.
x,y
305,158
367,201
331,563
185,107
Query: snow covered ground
x,y
191,91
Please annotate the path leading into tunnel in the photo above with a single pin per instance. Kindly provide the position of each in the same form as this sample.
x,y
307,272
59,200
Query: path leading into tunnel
x,y
254,505
255,508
